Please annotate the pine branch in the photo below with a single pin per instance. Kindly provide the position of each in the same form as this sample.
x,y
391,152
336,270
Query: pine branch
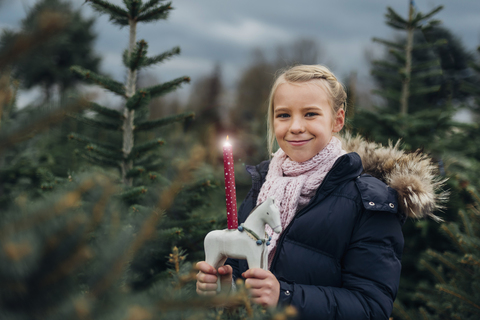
x,y
28,130
388,43
389,94
117,15
167,87
103,152
428,15
147,125
153,14
396,25
151,4
137,57
401,57
385,64
161,57
386,75
425,90
149,159
92,77
427,74
133,193
426,65
432,270
471,259
82,138
112,113
97,159
467,225
140,150
429,45
458,294
140,99
134,8
393,16
135,172
115,126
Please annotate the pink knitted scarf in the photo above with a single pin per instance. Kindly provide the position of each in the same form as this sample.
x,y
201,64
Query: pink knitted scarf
x,y
293,184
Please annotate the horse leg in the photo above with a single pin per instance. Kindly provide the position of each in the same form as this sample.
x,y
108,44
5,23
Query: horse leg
x,y
216,260
254,259
264,261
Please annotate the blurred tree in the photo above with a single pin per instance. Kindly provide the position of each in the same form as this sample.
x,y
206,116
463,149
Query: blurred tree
x,y
48,66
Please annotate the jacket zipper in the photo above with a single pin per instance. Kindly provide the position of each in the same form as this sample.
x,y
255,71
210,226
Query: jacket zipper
x,y
299,214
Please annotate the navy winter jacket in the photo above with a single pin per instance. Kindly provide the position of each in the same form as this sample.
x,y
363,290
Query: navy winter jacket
x,y
339,258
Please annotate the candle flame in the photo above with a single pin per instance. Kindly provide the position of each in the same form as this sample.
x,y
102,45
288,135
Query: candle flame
x,y
227,137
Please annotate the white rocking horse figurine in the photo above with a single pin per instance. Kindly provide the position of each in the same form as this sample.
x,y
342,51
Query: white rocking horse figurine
x,y
245,242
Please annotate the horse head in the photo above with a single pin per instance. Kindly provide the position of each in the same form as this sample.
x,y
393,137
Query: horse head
x,y
272,215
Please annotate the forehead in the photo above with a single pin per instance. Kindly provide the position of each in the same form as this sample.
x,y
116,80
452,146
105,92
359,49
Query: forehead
x,y
298,93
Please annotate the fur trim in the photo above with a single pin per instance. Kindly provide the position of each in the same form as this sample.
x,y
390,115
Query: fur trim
x,y
412,175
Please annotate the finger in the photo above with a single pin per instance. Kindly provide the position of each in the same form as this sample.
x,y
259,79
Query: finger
x,y
256,293
256,273
254,283
205,268
225,270
206,278
206,286
206,293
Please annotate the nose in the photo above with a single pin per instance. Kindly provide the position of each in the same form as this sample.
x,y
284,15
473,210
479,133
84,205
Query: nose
x,y
297,125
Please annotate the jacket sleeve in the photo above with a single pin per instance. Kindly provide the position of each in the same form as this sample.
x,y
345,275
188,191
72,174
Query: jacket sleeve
x,y
370,275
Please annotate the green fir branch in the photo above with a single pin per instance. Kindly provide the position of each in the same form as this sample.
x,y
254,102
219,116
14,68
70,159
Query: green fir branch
x,y
148,125
135,172
161,57
430,25
151,4
99,160
133,193
428,74
140,150
92,77
426,65
153,14
140,99
388,94
108,112
81,138
401,57
103,152
137,57
134,8
110,125
148,159
428,15
471,259
429,45
117,14
459,294
425,90
467,224
388,43
386,64
393,16
386,75
432,270
167,87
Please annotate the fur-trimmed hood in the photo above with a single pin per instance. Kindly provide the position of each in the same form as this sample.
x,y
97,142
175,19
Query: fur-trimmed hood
x,y
412,175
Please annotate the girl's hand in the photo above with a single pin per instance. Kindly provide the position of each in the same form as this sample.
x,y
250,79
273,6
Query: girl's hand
x,y
207,279
264,286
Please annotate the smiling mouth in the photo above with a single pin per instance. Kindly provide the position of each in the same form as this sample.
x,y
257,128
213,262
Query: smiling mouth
x,y
297,143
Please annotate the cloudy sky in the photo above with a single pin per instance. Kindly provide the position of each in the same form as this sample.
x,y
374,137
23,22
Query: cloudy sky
x,y
226,31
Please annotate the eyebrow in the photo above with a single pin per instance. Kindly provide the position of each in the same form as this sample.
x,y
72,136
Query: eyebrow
x,y
309,108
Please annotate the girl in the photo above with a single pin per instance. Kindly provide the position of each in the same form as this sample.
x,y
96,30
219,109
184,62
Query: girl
x,y
338,256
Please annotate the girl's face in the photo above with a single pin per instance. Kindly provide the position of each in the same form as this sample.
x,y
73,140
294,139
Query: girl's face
x,y
303,120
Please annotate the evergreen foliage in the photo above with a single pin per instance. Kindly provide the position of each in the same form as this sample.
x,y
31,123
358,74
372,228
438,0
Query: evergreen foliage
x,y
456,294
48,66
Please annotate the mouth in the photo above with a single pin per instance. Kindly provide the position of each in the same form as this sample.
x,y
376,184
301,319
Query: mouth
x,y
297,143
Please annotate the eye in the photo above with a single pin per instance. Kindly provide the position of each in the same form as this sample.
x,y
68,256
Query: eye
x,y
268,213
283,115
311,114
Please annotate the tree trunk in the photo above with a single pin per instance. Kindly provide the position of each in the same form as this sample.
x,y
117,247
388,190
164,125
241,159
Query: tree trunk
x,y
129,115
408,63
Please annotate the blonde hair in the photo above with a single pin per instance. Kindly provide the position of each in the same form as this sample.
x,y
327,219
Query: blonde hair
x,y
301,74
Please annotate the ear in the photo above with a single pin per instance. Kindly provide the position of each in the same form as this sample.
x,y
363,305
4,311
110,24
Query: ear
x,y
339,120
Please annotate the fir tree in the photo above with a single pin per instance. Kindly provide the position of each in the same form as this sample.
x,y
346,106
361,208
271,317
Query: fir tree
x,y
48,66
455,294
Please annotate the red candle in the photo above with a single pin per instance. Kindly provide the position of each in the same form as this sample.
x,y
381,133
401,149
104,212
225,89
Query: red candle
x,y
230,192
